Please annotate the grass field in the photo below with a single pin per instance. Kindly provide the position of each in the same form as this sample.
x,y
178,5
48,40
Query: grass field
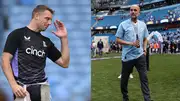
x,y
164,79
108,55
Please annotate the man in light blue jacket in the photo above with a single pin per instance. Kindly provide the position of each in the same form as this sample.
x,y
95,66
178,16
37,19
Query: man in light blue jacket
x,y
132,35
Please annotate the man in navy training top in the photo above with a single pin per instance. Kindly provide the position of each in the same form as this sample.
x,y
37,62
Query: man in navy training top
x,y
26,50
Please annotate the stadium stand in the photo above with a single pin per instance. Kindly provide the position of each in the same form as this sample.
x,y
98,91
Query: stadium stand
x,y
152,16
148,15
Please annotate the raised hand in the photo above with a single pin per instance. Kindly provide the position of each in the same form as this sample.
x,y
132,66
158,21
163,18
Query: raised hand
x,y
61,31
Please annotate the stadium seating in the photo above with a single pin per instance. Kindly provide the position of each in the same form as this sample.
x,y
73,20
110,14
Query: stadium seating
x,y
157,14
130,2
110,21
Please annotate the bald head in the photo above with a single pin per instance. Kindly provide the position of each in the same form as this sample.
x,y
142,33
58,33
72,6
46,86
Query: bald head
x,y
135,6
134,11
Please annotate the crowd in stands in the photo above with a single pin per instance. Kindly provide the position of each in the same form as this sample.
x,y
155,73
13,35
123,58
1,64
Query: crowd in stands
x,y
170,44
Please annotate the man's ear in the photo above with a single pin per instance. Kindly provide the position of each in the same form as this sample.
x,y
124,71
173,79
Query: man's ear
x,y
36,16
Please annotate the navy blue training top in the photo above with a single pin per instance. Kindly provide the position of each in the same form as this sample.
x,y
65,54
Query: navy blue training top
x,y
29,50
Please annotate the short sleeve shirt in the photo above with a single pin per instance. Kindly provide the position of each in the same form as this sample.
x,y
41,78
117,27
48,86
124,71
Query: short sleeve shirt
x,y
29,50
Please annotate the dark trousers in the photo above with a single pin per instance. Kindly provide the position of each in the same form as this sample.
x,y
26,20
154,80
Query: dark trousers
x,y
100,51
35,92
147,59
140,64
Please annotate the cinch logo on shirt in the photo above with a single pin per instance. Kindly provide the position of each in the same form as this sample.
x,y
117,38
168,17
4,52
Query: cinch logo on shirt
x,y
39,53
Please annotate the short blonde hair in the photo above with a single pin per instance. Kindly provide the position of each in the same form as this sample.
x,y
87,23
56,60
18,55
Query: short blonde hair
x,y
41,8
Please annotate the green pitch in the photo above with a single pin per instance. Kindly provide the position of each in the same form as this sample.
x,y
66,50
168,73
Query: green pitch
x,y
164,79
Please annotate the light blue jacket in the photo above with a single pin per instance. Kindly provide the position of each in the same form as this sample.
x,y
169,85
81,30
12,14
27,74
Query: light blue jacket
x,y
126,32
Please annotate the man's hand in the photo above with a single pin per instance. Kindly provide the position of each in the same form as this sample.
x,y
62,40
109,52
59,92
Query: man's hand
x,y
144,51
19,91
61,29
136,44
